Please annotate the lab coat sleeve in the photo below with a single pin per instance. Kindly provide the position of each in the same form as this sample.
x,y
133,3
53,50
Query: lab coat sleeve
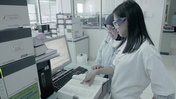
x,y
99,55
112,65
172,96
161,84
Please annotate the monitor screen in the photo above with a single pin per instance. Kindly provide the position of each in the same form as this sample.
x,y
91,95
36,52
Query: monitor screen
x,y
60,44
44,27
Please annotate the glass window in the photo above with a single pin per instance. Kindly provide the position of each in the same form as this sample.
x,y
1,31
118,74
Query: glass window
x,y
79,7
107,7
48,11
88,10
33,12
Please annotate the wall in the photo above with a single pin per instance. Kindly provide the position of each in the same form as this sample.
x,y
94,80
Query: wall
x,y
96,36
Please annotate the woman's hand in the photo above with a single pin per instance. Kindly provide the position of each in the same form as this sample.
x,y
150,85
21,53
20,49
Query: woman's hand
x,y
96,67
90,77
114,34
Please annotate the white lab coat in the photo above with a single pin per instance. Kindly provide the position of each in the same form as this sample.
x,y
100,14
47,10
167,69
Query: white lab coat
x,y
135,71
106,51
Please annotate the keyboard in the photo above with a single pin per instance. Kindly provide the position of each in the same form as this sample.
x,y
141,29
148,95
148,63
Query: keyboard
x,y
66,76
79,70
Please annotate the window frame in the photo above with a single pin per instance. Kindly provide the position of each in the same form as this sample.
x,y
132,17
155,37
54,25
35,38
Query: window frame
x,y
99,26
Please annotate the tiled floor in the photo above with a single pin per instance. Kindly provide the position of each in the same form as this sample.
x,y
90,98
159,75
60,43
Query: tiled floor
x,y
170,63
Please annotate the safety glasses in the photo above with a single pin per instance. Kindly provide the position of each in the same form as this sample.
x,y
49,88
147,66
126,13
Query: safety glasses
x,y
119,21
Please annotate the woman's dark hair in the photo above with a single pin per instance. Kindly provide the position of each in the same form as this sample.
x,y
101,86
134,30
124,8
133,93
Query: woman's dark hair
x,y
137,32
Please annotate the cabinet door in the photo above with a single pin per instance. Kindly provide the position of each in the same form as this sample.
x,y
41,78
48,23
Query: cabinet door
x,y
72,50
77,47
82,46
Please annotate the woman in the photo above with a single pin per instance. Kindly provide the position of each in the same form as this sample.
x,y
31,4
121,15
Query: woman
x,y
106,51
137,63
107,48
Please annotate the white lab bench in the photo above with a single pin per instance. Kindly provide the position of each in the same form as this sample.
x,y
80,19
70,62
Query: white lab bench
x,y
55,96
77,46
72,65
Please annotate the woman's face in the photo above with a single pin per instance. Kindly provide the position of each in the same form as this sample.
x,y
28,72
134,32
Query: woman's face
x,y
112,31
121,26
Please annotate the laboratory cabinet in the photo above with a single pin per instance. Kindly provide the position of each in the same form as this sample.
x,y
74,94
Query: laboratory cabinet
x,y
77,46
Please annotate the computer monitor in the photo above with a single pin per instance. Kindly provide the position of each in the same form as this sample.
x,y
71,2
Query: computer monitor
x,y
43,27
60,44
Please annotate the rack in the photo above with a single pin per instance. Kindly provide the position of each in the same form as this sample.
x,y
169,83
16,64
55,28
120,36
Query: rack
x,y
61,21
68,25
